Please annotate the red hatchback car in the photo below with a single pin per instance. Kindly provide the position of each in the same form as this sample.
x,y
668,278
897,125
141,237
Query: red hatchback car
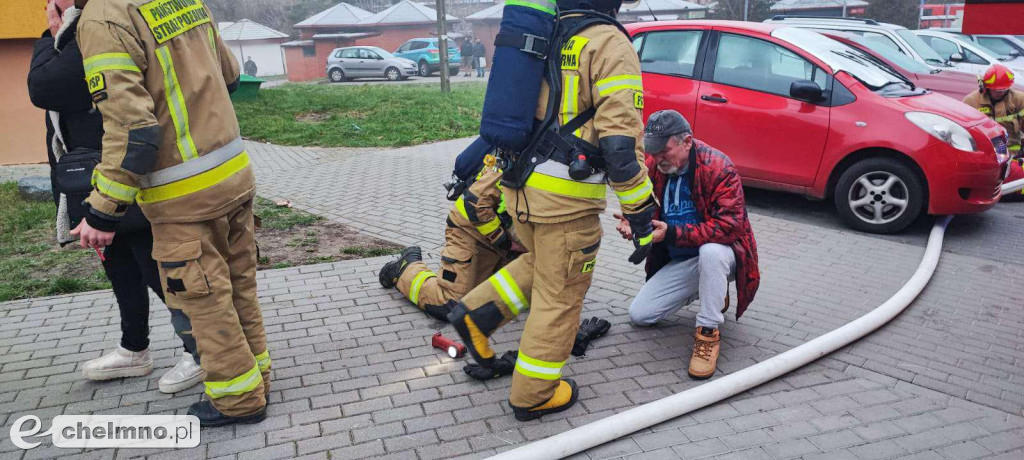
x,y
799,112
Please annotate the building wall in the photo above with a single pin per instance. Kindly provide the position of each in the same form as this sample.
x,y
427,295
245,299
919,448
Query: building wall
x,y
267,54
22,18
22,126
301,67
486,31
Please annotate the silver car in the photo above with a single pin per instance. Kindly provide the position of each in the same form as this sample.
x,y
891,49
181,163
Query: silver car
x,y
367,61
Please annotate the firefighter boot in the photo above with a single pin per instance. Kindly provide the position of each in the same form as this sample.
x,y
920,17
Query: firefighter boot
x,y
471,335
393,270
705,353
209,416
565,396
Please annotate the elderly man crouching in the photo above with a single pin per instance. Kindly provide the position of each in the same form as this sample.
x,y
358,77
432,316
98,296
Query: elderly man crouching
x,y
702,236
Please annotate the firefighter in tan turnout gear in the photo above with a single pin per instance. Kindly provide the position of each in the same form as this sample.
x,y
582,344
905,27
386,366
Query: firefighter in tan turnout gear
x,y
477,244
999,100
556,216
160,75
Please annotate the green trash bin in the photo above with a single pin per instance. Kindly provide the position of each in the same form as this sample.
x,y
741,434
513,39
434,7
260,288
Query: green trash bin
x,y
247,88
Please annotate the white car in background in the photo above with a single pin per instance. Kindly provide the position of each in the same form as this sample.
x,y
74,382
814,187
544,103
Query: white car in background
x,y
966,55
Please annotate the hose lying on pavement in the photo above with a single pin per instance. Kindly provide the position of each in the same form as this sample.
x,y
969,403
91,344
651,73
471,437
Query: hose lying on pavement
x,y
1013,187
638,418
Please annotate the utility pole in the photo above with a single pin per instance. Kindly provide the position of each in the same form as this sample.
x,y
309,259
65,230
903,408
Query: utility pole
x,y
844,8
746,7
442,45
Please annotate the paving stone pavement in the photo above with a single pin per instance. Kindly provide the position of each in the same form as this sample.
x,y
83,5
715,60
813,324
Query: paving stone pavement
x,y
354,376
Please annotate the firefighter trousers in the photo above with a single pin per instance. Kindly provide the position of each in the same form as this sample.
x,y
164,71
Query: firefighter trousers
x,y
465,263
208,270
551,281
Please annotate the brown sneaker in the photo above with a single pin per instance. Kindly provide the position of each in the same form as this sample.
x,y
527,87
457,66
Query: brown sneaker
x,y
705,353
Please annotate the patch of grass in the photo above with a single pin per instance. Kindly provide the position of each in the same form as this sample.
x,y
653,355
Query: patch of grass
x,y
281,265
276,217
370,252
31,263
361,116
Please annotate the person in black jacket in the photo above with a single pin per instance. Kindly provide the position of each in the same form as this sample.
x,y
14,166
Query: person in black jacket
x,y
480,54
56,83
467,56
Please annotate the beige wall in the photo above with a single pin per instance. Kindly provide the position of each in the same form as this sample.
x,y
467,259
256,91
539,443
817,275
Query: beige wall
x,y
22,126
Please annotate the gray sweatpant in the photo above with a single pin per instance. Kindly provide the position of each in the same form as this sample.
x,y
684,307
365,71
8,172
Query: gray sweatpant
x,y
677,284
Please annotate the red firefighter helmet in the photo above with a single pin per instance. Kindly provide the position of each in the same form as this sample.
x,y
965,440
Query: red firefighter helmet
x,y
997,77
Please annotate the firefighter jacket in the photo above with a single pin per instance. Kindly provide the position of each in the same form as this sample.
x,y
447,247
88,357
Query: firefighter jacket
x,y
161,76
599,69
480,210
1008,112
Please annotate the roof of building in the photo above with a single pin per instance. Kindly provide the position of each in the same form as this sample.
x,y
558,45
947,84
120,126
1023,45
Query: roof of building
x,y
491,12
337,15
345,35
404,12
662,6
248,30
793,5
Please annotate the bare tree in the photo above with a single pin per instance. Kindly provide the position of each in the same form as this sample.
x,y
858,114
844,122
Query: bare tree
x,y
758,10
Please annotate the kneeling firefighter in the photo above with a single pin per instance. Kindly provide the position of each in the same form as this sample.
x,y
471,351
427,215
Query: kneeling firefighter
x,y
581,133
478,242
997,98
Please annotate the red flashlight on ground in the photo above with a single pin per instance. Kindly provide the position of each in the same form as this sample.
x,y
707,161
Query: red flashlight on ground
x,y
453,348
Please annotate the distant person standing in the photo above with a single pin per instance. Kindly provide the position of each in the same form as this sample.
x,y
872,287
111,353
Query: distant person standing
x,y
481,55
467,56
250,67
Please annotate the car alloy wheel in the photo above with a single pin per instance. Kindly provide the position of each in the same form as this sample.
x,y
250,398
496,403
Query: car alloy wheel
x,y
878,197
392,74
424,69
337,75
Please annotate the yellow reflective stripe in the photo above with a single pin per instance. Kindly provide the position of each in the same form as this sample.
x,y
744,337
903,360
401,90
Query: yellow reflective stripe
x,y
565,186
263,361
636,194
417,283
213,41
502,206
242,384
1014,147
546,6
619,82
176,105
110,61
1010,117
460,205
571,99
644,241
488,227
509,291
536,368
195,183
113,189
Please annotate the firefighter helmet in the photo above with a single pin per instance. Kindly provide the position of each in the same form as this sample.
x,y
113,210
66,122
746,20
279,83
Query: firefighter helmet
x,y
997,77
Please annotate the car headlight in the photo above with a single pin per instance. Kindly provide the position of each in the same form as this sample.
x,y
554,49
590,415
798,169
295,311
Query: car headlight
x,y
944,129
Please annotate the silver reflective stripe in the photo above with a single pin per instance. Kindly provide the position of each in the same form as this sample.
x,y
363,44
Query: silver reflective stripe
x,y
194,167
555,169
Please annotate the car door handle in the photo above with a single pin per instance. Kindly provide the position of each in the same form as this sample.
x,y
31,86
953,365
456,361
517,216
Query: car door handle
x,y
714,98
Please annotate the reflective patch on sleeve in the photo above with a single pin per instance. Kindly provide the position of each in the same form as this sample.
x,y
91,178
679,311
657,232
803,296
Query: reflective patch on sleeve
x,y
96,83
571,52
170,18
985,110
638,100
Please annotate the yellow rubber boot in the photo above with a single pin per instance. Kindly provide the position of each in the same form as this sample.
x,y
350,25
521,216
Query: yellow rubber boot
x,y
472,336
565,396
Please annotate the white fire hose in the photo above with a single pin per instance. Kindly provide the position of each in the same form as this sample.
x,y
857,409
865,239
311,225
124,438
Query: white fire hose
x,y
1013,187
652,413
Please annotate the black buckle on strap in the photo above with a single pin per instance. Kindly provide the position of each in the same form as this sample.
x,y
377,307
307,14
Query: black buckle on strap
x,y
527,43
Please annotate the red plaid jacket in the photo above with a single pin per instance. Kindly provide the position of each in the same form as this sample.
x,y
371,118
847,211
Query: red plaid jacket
x,y
718,195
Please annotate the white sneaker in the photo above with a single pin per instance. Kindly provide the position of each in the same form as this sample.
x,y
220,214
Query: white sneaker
x,y
118,364
182,376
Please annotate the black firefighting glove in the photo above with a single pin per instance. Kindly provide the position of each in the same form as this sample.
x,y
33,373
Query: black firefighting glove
x,y
640,225
438,312
502,366
590,329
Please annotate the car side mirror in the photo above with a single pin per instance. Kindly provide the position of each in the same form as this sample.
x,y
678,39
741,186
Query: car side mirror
x,y
956,57
805,90
1015,53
